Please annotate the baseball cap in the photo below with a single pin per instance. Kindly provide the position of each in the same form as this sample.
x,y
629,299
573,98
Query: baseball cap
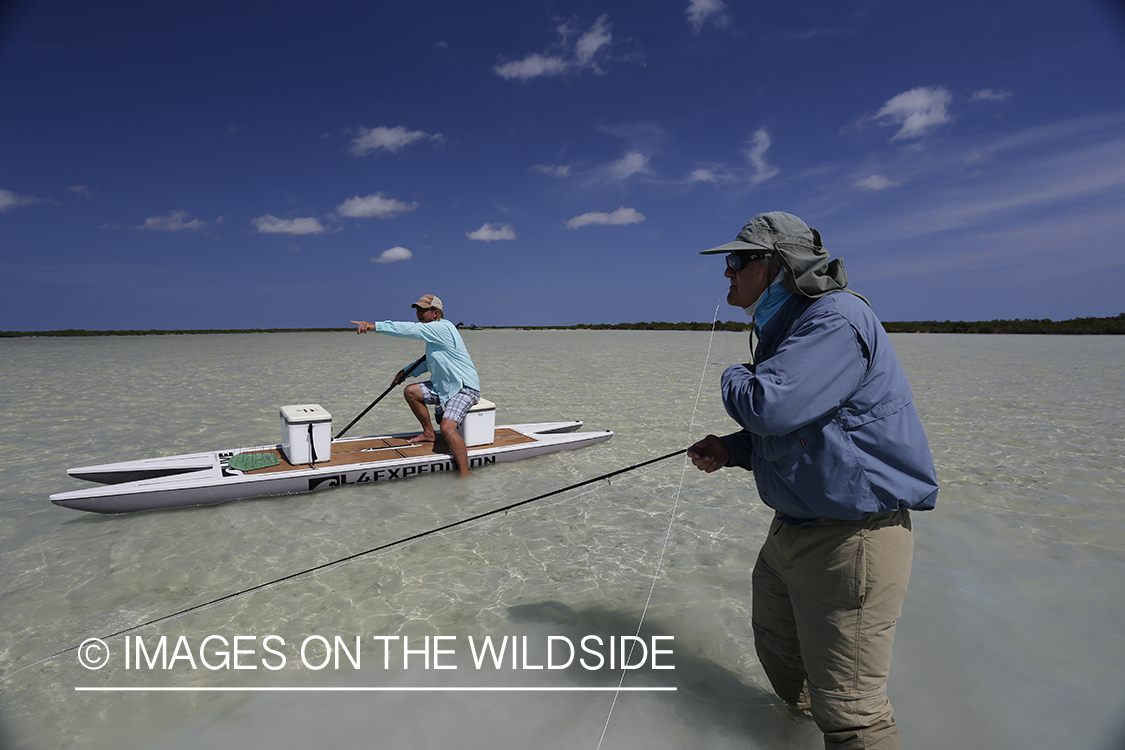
x,y
428,301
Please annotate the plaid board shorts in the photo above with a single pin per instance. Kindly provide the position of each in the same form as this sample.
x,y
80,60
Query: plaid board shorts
x,y
455,408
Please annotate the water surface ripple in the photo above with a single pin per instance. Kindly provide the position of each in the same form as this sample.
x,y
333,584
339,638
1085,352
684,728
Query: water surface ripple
x,y
1011,635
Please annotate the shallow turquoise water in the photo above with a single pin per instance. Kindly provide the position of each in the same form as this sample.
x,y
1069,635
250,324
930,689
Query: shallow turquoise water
x,y
1010,636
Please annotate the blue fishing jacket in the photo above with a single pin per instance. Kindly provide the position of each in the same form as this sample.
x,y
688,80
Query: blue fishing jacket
x,y
448,361
830,428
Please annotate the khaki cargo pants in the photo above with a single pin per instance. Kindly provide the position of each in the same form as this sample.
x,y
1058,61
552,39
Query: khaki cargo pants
x,y
827,596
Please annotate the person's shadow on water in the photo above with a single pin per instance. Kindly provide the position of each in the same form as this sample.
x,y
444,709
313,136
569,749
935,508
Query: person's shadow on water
x,y
708,695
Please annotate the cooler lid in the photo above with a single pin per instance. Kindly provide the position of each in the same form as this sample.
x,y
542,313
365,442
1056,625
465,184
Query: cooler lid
x,y
302,413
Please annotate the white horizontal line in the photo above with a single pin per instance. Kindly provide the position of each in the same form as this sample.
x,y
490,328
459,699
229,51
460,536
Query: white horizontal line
x,y
373,689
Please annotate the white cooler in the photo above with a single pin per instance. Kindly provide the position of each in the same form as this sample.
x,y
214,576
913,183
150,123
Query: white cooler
x,y
306,433
479,425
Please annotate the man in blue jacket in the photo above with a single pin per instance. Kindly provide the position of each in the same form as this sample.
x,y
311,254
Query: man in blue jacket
x,y
838,451
454,386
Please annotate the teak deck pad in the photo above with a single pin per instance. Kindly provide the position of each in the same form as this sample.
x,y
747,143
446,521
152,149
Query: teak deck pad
x,y
366,451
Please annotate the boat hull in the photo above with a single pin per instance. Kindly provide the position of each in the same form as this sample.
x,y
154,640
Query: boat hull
x,y
207,478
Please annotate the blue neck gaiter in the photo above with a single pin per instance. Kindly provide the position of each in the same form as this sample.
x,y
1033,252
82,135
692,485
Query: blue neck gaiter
x,y
770,302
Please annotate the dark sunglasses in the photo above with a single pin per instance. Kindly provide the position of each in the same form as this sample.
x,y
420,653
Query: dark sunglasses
x,y
738,261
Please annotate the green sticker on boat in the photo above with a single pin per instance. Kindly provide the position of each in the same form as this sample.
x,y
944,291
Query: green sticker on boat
x,y
251,461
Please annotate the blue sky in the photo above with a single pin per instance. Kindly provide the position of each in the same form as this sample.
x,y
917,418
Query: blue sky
x,y
260,164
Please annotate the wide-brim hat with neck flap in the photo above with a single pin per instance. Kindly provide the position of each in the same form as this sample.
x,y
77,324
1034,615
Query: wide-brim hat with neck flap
x,y
810,272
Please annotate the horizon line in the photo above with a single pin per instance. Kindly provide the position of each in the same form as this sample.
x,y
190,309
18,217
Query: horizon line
x,y
638,324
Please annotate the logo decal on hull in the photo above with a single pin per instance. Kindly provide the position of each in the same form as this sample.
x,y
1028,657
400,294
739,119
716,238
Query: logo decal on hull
x,y
400,472
323,482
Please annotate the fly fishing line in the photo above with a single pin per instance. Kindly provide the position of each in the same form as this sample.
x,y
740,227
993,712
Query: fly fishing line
x,y
320,568
671,522
438,531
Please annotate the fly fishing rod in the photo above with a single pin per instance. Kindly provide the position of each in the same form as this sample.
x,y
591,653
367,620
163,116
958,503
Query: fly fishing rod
x,y
357,555
384,393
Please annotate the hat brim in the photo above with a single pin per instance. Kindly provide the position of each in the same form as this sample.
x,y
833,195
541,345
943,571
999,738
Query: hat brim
x,y
738,246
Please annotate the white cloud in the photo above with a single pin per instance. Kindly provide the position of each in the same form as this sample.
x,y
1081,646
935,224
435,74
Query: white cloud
x,y
394,254
628,165
917,111
81,190
8,199
720,173
592,42
875,182
563,57
700,12
554,170
174,222
757,170
756,154
532,66
988,95
977,158
491,232
388,139
620,216
374,205
702,175
270,224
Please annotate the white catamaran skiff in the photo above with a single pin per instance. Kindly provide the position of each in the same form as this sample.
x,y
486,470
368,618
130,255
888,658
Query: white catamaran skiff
x,y
308,461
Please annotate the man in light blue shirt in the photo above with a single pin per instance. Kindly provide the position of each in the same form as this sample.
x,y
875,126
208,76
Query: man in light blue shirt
x,y
454,386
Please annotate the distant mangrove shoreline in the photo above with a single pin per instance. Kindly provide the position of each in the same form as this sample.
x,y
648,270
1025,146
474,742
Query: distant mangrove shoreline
x,y
1072,327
